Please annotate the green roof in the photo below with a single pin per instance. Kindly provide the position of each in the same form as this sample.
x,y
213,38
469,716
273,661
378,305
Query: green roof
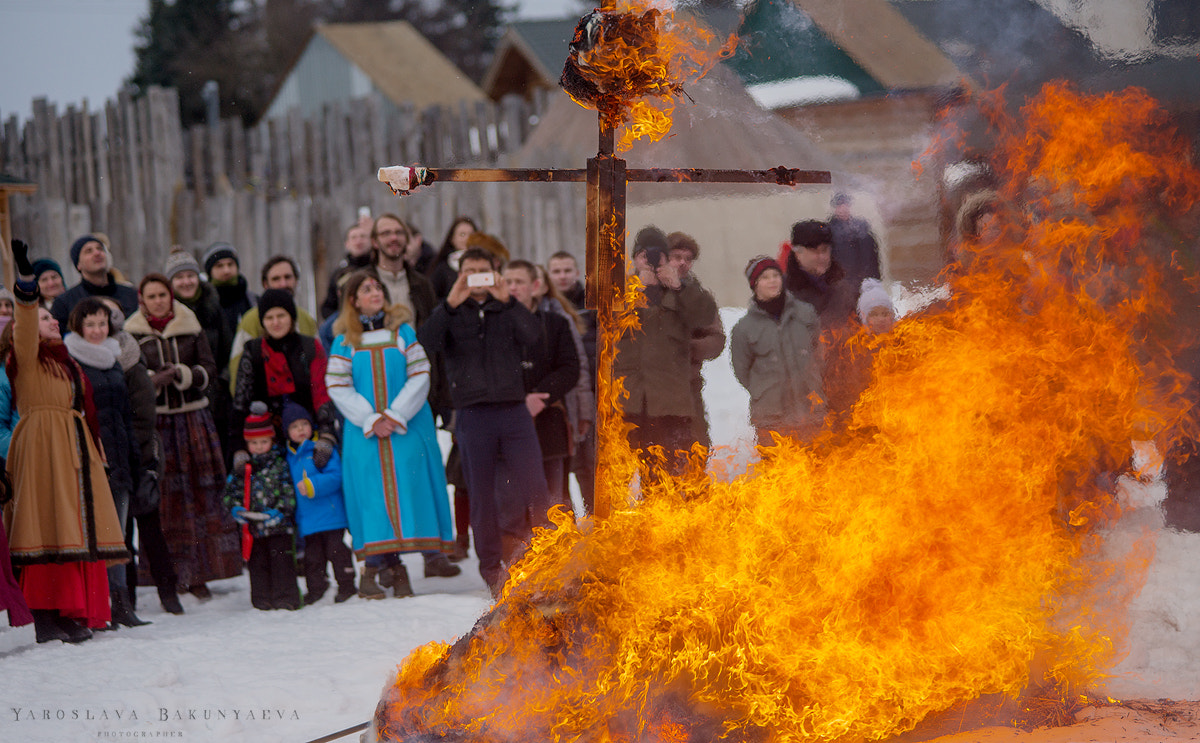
x,y
778,41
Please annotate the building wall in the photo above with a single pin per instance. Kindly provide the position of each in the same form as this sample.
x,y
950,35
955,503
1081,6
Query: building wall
x,y
879,139
321,76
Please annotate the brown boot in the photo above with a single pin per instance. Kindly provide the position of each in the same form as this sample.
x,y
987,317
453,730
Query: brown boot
x,y
367,587
401,587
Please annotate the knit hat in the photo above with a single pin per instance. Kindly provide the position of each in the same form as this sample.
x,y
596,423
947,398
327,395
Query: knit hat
x,y
293,412
653,242
42,265
811,233
179,260
77,248
839,198
216,252
757,265
258,424
6,294
272,298
873,295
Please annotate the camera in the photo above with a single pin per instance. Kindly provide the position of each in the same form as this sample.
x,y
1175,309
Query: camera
x,y
655,256
481,279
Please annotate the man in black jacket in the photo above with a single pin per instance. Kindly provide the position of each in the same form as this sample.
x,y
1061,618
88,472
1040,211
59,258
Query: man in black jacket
x,y
813,275
482,334
551,371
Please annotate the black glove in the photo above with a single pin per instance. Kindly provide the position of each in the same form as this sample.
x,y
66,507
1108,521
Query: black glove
x,y
20,252
322,453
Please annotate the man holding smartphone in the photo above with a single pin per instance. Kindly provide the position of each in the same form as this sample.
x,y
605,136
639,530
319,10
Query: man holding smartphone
x,y
482,334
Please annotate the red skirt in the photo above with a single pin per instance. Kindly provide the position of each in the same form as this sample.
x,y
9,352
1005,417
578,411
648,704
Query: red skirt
x,y
78,590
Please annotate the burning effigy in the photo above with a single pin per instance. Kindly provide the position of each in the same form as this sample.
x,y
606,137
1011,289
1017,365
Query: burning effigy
x,y
946,544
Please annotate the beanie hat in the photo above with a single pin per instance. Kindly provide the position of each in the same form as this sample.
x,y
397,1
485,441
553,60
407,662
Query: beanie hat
x,y
873,295
653,242
258,424
757,265
77,248
273,298
216,252
293,412
839,198
42,265
811,233
178,261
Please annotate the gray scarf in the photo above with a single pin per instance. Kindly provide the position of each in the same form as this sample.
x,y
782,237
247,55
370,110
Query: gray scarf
x,y
96,355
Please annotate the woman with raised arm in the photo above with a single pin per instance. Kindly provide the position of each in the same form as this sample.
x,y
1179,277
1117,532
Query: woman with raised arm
x,y
62,525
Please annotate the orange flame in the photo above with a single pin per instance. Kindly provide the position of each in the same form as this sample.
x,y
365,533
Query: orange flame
x,y
943,547
641,77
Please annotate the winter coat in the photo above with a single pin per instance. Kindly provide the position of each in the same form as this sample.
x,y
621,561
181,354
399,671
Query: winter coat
x,y
552,366
655,359
855,249
270,487
113,413
206,306
235,300
8,414
125,295
62,510
482,346
581,400
324,509
182,344
832,295
577,296
305,360
777,363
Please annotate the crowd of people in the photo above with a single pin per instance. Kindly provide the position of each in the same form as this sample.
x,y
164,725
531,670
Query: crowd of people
x,y
195,428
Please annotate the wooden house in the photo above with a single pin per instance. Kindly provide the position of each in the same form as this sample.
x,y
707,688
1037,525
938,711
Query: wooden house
x,y
529,57
390,60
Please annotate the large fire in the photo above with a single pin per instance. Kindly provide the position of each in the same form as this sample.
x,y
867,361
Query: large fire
x,y
631,62
948,545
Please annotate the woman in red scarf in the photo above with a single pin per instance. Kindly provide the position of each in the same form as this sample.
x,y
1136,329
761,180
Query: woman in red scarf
x,y
281,366
203,539
62,525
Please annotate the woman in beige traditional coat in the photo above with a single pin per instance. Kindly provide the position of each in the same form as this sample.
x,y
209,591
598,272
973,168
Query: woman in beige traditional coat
x,y
62,524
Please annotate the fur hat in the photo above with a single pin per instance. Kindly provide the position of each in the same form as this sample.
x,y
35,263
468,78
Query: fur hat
x,y
683,241
757,265
273,298
77,248
811,233
490,243
179,260
293,412
258,424
873,295
216,252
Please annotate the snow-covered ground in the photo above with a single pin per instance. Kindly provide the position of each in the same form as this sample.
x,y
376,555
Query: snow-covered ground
x,y
225,671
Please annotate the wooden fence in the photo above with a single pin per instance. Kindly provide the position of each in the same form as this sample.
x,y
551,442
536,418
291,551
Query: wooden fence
x,y
289,186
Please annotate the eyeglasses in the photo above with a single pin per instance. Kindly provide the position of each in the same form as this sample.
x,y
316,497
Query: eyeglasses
x,y
389,233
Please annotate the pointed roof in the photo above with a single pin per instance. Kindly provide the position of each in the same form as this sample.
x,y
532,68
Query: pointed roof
x,y
529,54
402,63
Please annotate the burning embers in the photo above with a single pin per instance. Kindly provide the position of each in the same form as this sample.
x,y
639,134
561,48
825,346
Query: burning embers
x,y
631,63
946,547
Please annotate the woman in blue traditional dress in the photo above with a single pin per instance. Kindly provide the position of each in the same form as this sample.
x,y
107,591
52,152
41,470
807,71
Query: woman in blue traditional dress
x,y
393,479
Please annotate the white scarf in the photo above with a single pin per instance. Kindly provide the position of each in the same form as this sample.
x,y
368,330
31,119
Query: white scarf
x,y
101,355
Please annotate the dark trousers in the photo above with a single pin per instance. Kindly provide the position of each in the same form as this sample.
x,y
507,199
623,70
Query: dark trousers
x,y
672,432
152,547
327,547
501,518
272,567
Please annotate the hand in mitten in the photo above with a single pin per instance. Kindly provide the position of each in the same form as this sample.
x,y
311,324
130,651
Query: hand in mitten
x,y
239,515
20,252
274,517
240,459
322,453
164,376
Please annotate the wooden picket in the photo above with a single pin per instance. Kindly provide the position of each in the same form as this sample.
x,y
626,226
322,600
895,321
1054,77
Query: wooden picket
x,y
293,185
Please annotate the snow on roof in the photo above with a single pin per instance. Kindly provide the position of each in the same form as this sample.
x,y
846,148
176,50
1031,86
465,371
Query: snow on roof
x,y
800,91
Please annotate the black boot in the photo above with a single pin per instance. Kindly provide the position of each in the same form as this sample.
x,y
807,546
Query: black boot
x,y
401,587
170,601
45,624
122,612
75,632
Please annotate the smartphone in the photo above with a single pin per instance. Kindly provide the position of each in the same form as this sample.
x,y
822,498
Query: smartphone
x,y
364,212
481,279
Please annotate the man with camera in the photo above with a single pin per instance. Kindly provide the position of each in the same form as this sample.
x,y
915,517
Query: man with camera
x,y
482,335
655,359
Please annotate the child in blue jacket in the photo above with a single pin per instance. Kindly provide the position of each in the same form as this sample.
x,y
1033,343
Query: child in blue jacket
x,y
320,510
